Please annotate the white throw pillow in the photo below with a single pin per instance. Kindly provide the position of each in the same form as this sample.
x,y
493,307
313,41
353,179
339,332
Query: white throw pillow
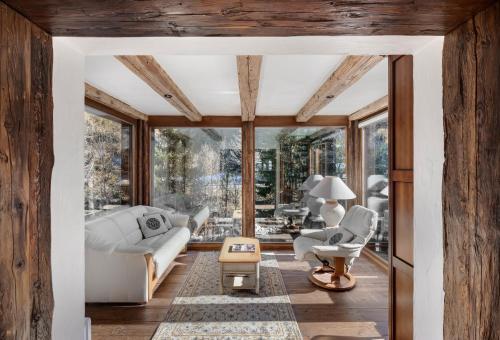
x,y
152,225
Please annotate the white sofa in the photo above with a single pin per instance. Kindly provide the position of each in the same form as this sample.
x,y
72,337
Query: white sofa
x,y
121,266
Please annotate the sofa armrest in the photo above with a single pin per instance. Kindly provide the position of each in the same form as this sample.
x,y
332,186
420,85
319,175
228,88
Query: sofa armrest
x,y
119,276
200,217
133,249
317,234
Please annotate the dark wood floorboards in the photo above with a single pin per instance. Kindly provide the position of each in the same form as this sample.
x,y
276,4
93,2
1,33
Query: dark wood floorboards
x,y
360,314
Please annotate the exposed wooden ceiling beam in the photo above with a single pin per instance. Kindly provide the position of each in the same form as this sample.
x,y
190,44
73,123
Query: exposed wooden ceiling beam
x,y
105,99
377,106
248,78
349,72
151,72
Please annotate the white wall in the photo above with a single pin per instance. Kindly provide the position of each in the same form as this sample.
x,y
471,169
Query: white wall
x,y
428,295
67,193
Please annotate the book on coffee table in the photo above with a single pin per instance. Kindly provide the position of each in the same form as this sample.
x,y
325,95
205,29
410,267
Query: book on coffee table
x,y
242,248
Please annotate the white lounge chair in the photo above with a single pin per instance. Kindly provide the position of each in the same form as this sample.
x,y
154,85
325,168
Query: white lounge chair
x,y
338,245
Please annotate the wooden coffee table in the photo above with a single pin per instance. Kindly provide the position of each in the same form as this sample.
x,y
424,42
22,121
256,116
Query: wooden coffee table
x,y
242,268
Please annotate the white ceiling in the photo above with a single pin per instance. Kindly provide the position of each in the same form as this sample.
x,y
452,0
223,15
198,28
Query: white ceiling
x,y
109,75
211,84
288,81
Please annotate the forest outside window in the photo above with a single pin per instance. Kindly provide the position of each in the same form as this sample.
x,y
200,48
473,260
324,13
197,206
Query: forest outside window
x,y
197,171
107,163
284,159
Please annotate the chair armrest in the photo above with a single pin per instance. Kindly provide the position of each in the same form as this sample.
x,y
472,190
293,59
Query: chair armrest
x,y
351,246
317,234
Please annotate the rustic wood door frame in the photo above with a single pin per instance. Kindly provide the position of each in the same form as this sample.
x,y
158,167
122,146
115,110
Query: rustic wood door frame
x,y
401,197
26,161
471,178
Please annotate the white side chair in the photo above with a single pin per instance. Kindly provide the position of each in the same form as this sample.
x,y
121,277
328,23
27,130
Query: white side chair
x,y
337,245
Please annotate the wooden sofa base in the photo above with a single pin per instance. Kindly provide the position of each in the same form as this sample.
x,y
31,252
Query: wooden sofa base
x,y
153,281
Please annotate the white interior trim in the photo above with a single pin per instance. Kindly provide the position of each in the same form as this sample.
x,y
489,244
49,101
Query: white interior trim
x,y
335,45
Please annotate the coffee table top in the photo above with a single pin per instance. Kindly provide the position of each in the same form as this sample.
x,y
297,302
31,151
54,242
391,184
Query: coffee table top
x,y
227,256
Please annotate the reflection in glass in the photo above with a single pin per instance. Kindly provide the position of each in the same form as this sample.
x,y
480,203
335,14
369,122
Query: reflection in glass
x,y
284,159
375,179
197,171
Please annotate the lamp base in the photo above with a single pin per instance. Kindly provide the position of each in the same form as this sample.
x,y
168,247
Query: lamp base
x,y
314,204
332,212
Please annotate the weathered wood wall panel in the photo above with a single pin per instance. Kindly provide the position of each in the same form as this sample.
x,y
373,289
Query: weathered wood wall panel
x,y
471,178
247,18
26,160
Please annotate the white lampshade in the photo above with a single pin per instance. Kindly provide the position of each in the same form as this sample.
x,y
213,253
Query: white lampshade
x,y
332,188
311,182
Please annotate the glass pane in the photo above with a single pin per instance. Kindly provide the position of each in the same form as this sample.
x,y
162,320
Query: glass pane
x,y
197,171
284,159
375,180
107,163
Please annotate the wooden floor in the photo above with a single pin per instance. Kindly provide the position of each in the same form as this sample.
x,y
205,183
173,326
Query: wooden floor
x,y
358,314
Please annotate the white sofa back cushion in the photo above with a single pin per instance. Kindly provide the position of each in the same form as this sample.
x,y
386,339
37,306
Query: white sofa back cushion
x,y
120,227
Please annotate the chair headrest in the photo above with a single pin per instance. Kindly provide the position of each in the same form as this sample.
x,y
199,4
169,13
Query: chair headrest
x,y
360,221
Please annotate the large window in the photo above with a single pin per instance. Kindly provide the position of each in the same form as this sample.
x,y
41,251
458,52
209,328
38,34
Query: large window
x,y
197,171
375,178
284,159
107,163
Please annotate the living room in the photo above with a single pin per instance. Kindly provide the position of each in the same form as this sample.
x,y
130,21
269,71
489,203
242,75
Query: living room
x,y
272,187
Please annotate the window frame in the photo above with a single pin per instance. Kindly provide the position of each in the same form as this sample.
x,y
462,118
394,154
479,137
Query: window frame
x,y
121,118
236,122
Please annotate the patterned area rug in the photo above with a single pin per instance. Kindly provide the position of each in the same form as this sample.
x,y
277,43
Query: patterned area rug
x,y
200,312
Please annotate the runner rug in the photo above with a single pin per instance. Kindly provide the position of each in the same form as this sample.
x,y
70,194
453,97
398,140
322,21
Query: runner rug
x,y
199,311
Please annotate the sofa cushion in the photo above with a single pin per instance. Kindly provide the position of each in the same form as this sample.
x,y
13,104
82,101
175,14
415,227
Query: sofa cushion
x,y
94,241
127,224
107,230
166,247
152,225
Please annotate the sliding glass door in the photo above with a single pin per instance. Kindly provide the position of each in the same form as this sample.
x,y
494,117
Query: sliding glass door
x,y
197,171
284,159
375,178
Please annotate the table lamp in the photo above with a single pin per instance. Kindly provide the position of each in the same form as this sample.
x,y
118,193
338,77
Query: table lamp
x,y
314,203
332,188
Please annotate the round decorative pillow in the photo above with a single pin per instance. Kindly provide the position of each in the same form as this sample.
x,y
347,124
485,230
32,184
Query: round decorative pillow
x,y
335,238
153,223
